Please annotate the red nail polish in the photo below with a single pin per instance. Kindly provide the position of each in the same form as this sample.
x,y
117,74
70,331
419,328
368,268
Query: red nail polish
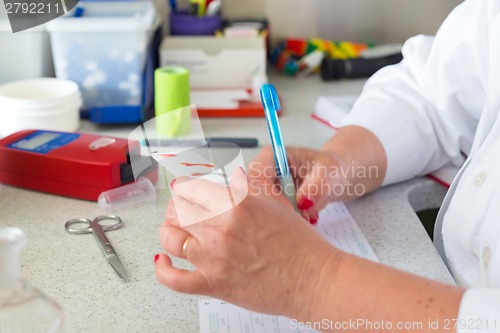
x,y
156,257
313,220
305,204
172,183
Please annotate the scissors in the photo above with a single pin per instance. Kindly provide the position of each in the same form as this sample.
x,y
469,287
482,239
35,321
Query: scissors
x,y
80,226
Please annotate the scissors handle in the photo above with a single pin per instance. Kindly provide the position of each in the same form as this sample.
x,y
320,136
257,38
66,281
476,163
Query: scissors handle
x,y
78,230
86,226
108,227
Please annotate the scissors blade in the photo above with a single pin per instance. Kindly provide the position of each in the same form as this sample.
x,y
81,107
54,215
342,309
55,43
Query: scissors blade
x,y
117,265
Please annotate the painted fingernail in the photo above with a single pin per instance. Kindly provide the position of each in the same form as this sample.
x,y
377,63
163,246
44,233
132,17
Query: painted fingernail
x,y
244,172
313,220
172,183
156,257
305,204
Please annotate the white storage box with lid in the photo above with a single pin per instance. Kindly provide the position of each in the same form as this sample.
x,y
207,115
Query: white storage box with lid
x,y
216,62
104,51
25,54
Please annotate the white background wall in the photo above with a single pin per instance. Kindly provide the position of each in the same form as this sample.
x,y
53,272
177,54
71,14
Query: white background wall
x,y
378,21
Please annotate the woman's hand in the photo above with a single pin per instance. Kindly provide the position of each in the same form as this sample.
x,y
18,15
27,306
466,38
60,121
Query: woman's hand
x,y
352,163
259,254
317,174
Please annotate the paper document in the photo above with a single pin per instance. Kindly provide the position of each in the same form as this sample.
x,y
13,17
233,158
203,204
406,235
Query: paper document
x,y
445,175
217,316
219,98
338,227
332,109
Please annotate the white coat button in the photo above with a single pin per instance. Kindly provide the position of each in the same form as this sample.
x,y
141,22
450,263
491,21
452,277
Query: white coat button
x,y
486,257
480,178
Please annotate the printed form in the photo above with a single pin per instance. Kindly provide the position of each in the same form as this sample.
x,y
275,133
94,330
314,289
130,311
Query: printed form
x,y
338,227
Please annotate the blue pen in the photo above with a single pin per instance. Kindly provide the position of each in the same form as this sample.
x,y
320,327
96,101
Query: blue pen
x,y
79,11
173,6
272,105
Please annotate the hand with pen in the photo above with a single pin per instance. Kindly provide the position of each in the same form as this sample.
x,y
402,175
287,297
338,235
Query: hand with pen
x,y
257,252
261,255
242,253
337,172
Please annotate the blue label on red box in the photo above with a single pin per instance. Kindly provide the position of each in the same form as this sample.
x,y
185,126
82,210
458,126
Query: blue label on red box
x,y
43,142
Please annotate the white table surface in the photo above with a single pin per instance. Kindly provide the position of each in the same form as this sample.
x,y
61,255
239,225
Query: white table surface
x,y
72,270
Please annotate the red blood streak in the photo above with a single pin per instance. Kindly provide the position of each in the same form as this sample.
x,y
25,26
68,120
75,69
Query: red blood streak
x,y
198,164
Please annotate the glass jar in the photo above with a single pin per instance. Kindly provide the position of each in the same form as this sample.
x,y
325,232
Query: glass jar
x,y
22,308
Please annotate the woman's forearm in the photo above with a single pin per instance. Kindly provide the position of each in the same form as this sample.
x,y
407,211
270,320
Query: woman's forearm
x,y
356,290
362,158
361,296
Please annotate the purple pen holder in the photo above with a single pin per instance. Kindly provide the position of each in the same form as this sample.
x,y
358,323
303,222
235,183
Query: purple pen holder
x,y
184,24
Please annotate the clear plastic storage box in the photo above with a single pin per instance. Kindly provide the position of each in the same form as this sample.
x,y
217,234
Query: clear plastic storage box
x,y
24,55
105,51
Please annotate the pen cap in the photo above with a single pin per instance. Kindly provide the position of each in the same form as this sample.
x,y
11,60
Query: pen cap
x,y
272,105
141,191
269,97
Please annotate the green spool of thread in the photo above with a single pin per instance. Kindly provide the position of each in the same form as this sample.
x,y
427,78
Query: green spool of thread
x,y
172,111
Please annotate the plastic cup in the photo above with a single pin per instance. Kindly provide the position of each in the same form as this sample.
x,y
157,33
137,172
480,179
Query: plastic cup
x,y
142,191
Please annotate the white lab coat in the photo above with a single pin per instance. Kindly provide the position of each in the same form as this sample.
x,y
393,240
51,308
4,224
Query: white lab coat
x,y
441,103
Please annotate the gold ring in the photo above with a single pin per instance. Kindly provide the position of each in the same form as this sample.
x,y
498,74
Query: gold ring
x,y
185,246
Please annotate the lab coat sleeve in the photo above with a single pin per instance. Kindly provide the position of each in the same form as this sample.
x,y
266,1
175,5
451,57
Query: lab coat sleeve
x,y
425,110
479,312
